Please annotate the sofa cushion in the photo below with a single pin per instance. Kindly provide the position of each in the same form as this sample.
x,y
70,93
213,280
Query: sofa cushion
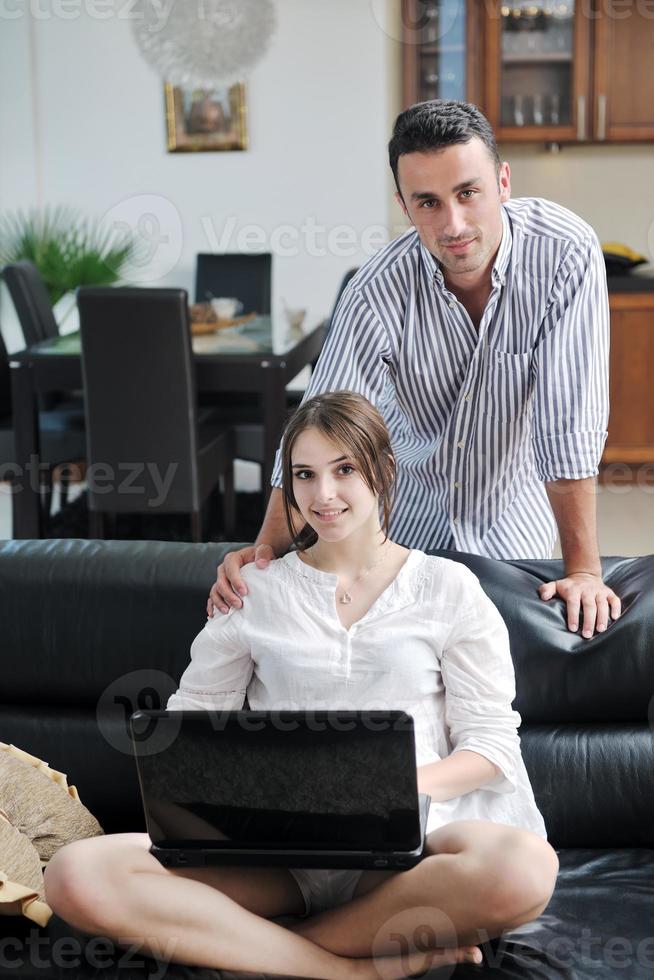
x,y
594,784
38,801
77,615
21,878
560,676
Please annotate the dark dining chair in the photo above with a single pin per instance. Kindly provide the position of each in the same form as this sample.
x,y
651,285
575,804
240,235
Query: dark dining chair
x,y
37,322
246,277
32,301
249,433
62,442
146,451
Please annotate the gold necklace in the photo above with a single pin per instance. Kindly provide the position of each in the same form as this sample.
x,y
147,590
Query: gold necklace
x,y
346,598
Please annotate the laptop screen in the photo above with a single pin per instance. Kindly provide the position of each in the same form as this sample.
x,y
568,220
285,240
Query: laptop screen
x,y
322,780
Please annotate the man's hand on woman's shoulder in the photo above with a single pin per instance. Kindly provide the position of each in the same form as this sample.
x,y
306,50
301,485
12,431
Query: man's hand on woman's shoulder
x,y
229,587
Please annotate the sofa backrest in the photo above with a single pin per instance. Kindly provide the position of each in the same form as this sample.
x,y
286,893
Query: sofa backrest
x,y
92,630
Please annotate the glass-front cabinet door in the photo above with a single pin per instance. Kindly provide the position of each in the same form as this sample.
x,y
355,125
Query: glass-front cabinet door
x,y
537,69
440,44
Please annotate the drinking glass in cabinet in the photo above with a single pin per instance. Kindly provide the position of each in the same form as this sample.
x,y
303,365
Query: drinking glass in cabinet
x,y
430,32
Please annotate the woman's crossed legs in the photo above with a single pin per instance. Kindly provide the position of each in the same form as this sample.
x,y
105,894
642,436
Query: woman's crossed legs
x,y
476,876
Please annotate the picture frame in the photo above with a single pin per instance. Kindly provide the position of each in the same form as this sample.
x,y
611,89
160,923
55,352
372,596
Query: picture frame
x,y
206,120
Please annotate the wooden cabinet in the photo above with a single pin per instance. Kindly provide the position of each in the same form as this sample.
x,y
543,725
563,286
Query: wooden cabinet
x,y
623,76
567,71
537,71
631,422
441,50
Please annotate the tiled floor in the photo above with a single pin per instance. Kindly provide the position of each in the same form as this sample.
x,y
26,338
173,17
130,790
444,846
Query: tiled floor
x,y
625,513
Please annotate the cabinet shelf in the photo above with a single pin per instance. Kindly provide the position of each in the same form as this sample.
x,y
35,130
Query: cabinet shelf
x,y
442,49
550,57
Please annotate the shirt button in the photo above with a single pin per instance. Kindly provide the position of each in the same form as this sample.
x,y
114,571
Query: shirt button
x,y
456,520
457,485
461,444
467,398
452,305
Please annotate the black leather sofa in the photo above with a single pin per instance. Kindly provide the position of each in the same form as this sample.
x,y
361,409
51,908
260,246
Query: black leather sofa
x,y
90,630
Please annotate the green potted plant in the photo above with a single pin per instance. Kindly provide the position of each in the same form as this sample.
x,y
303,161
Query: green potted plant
x,y
68,249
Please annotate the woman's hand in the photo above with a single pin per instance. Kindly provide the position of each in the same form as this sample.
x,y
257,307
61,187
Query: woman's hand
x,y
229,587
459,773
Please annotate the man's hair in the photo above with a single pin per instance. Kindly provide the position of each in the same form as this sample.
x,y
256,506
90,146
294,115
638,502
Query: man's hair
x,y
353,423
436,124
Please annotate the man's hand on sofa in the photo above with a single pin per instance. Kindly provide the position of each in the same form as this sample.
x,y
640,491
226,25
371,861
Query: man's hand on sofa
x,y
229,586
584,593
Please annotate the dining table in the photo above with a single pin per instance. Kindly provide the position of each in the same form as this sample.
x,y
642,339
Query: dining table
x,y
252,357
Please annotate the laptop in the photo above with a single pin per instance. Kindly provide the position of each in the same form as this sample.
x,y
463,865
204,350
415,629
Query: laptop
x,y
312,789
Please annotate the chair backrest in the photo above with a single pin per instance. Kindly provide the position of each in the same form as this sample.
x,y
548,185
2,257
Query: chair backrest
x,y
5,381
139,390
243,276
30,296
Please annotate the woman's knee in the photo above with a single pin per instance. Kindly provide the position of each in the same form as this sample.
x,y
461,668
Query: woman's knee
x,y
510,872
67,878
522,869
82,878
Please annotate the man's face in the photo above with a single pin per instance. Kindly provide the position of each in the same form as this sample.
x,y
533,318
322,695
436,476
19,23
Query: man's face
x,y
453,198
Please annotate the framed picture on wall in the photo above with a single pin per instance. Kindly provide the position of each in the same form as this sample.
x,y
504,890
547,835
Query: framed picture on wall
x,y
206,120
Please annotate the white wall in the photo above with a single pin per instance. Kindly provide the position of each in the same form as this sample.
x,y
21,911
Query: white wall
x,y
82,123
611,186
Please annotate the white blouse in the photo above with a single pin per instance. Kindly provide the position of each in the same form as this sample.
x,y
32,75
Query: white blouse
x,y
432,644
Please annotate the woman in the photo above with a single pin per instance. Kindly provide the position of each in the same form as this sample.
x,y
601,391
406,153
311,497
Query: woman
x,y
349,620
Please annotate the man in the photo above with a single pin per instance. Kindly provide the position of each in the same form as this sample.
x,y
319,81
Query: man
x,y
482,336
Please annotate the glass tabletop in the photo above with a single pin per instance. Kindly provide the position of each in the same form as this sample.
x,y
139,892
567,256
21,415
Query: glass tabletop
x,y
257,336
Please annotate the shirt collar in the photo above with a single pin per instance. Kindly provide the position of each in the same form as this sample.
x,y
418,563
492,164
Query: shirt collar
x,y
501,263
402,590
498,272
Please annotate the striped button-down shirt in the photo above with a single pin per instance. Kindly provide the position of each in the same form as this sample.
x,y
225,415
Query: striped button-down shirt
x,y
479,418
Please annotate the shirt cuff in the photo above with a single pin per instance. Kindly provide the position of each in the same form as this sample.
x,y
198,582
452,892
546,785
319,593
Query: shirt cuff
x,y
195,701
506,779
569,455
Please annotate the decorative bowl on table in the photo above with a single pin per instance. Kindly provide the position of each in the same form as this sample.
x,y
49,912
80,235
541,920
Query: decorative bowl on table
x,y
204,319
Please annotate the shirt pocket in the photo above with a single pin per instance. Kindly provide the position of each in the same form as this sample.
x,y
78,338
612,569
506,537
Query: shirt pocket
x,y
507,384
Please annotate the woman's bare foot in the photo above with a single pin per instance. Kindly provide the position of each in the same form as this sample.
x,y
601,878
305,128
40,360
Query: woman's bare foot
x,y
397,967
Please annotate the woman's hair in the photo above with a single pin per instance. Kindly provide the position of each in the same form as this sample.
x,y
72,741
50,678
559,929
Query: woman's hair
x,y
353,424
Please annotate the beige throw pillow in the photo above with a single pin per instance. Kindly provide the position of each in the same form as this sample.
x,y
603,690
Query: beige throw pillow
x,y
39,813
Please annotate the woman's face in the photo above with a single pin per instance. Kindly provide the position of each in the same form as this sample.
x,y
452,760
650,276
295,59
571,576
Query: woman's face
x,y
329,489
